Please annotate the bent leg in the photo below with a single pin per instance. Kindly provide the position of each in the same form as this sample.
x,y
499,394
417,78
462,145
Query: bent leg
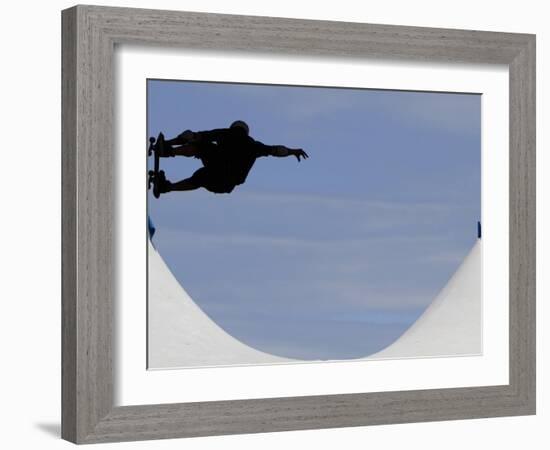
x,y
196,181
182,138
185,185
188,150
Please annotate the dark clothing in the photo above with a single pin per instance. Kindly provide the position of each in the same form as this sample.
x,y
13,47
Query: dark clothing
x,y
211,179
227,154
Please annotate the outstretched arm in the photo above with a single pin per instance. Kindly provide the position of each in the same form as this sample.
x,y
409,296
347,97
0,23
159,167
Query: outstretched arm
x,y
281,151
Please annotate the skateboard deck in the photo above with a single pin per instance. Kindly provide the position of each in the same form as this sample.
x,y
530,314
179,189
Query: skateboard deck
x,y
156,176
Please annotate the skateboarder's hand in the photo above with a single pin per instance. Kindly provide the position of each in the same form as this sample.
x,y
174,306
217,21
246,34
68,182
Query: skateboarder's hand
x,y
299,153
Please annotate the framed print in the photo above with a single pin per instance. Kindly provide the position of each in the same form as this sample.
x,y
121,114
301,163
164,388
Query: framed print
x,y
355,259
279,224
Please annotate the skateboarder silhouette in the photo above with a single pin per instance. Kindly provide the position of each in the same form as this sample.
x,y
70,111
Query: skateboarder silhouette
x,y
227,155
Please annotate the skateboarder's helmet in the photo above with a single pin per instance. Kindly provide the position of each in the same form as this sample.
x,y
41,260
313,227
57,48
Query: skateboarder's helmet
x,y
240,124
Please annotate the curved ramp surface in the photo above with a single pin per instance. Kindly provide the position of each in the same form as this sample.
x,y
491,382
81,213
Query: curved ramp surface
x,y
180,334
451,325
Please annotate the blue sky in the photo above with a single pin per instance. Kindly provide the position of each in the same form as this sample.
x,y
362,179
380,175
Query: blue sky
x,y
336,256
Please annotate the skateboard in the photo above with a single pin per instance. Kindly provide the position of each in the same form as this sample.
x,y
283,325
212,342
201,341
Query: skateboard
x,y
156,176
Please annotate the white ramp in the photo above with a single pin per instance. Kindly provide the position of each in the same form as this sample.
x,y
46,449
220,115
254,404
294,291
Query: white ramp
x,y
180,334
451,325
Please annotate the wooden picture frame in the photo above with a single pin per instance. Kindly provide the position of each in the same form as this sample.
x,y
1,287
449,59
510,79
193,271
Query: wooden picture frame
x,y
90,34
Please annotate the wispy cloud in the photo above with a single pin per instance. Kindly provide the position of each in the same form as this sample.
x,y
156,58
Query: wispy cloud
x,y
305,217
449,111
